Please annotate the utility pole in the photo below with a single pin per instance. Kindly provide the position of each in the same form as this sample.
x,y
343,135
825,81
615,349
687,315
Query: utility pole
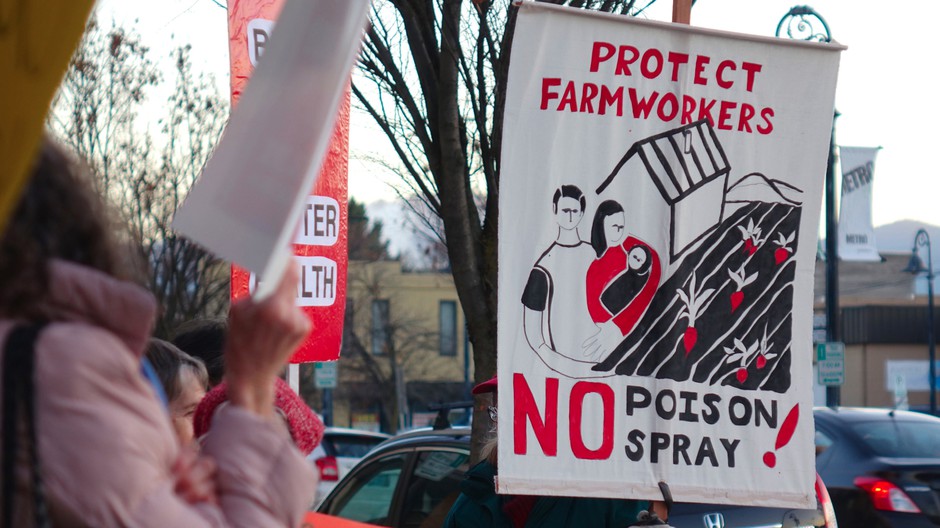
x,y
804,23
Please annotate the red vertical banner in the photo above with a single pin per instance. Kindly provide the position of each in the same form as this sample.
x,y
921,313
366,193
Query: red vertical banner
x,y
321,237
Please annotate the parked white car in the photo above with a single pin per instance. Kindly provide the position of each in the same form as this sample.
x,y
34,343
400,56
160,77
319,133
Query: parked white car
x,y
337,453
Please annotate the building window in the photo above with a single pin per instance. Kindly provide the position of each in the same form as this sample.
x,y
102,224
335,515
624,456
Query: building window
x,y
380,337
448,324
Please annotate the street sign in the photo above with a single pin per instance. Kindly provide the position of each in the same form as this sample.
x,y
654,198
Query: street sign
x,y
819,328
916,373
830,363
900,393
819,335
325,375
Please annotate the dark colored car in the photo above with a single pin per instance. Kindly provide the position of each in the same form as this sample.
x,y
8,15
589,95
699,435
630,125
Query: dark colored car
x,y
338,451
882,467
411,481
408,481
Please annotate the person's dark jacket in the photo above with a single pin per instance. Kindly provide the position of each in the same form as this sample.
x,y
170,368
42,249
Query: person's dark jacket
x,y
479,506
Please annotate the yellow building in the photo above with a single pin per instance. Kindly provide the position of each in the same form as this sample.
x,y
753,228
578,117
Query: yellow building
x,y
404,347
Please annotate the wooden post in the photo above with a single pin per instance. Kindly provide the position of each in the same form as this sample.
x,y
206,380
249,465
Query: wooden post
x,y
682,11
681,14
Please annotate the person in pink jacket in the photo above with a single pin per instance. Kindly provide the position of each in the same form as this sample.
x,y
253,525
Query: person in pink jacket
x,y
107,452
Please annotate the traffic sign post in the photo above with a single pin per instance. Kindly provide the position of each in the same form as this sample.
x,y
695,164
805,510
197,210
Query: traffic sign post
x,y
830,363
819,328
325,375
900,393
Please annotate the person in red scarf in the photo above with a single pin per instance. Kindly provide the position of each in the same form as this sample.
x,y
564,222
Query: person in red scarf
x,y
304,426
479,506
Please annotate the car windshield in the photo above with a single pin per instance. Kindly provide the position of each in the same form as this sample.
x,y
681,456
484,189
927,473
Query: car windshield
x,y
900,439
352,446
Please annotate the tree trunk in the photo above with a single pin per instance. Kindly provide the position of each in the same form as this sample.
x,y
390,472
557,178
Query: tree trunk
x,y
441,74
461,220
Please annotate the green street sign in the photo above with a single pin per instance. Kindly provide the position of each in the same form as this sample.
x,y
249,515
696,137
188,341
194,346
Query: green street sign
x,y
830,363
325,375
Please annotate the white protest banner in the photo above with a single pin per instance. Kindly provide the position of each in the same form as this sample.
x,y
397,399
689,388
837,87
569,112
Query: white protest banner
x,y
856,231
655,279
247,204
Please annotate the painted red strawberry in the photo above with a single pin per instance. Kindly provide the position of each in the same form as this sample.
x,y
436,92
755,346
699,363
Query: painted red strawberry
x,y
783,252
741,279
751,236
740,355
689,339
736,299
765,354
749,247
694,302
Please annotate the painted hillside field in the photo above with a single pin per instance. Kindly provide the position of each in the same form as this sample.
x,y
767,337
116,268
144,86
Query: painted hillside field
x,y
724,315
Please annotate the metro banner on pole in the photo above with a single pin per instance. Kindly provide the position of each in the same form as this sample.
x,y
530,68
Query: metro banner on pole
x,y
655,283
321,238
856,230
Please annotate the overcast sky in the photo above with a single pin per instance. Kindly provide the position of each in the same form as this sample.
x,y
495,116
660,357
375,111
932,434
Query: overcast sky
x,y
885,90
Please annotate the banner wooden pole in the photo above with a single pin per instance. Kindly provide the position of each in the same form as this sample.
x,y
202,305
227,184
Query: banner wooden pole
x,y
682,11
681,14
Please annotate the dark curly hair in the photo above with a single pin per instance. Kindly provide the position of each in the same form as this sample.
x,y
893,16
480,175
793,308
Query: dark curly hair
x,y
204,339
59,216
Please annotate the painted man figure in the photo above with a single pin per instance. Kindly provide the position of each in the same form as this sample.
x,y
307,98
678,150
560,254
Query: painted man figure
x,y
556,319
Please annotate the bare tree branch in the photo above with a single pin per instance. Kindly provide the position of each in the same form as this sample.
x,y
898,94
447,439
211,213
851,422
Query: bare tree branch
x,y
145,176
441,71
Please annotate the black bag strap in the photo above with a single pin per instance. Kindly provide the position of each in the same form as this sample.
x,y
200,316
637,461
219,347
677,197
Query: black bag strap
x,y
19,403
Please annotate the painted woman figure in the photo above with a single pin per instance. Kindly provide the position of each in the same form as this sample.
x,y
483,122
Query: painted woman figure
x,y
621,282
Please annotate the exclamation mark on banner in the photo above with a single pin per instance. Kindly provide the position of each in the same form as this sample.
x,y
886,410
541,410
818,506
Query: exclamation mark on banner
x,y
784,435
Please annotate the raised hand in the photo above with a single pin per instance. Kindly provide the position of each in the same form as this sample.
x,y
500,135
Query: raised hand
x,y
262,336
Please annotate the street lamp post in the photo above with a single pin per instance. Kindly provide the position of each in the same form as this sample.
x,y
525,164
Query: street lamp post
x,y
804,23
915,266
